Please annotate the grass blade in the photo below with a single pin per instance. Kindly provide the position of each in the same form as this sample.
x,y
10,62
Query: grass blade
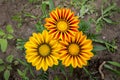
x,y
114,63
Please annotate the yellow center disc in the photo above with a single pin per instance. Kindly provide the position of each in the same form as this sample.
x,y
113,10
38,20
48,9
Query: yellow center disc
x,y
62,26
73,49
44,50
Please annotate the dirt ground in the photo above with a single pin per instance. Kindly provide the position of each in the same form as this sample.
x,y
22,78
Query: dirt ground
x,y
109,32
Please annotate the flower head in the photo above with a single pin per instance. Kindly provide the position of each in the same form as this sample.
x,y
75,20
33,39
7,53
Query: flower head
x,y
76,51
42,50
62,23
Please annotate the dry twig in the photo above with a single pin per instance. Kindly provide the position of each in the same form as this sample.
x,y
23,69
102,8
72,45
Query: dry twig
x,y
100,70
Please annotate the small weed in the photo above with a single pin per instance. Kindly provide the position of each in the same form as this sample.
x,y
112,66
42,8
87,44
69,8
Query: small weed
x,y
18,18
104,16
6,66
84,6
28,68
109,46
4,36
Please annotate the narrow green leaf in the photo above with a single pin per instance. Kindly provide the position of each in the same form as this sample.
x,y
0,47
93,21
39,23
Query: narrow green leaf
x,y
107,20
99,48
43,8
2,67
31,72
6,74
22,62
71,70
114,63
51,5
109,8
9,36
20,73
1,32
3,43
1,61
30,15
9,58
39,27
9,28
111,69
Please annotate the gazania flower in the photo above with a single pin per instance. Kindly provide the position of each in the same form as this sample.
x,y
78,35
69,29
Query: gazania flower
x,y
62,23
76,51
42,51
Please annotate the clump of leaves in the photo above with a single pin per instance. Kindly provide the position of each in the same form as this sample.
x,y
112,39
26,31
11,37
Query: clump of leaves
x,y
6,66
84,6
20,44
23,73
18,18
106,12
4,36
84,26
110,46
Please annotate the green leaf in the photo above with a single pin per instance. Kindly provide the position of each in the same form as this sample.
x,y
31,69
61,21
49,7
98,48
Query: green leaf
x,y
84,26
9,67
51,5
20,73
43,8
1,61
2,67
71,70
111,69
19,25
3,43
9,36
1,32
99,48
39,27
107,20
109,8
22,62
6,74
30,15
9,28
114,63
9,58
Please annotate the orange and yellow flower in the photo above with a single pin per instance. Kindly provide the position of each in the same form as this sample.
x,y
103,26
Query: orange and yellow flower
x,y
76,51
42,51
62,23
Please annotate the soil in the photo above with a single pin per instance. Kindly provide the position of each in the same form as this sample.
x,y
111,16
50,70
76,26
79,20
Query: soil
x,y
9,8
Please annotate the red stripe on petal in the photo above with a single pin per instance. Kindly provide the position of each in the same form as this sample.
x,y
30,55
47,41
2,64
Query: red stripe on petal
x,y
70,17
67,13
59,13
74,22
53,15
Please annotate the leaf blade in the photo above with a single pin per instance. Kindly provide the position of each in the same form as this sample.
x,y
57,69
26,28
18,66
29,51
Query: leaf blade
x,y
9,28
3,43
6,74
